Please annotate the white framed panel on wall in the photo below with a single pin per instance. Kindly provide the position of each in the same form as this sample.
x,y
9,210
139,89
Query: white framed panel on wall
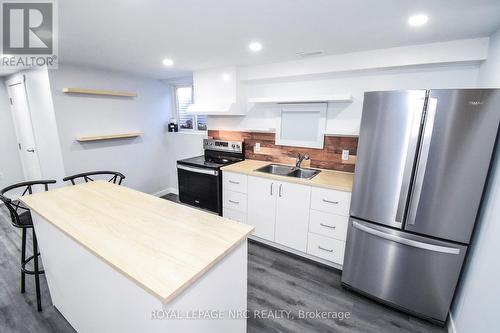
x,y
301,125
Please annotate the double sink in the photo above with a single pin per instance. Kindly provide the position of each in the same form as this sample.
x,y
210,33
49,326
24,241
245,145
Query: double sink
x,y
288,171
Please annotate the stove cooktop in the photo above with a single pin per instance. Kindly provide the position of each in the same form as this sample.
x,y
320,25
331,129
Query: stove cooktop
x,y
202,161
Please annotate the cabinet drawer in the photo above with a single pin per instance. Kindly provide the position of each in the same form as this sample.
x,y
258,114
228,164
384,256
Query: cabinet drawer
x,y
330,225
326,248
234,182
234,215
331,201
235,200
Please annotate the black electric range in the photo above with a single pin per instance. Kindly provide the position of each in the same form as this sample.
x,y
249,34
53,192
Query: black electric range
x,y
200,177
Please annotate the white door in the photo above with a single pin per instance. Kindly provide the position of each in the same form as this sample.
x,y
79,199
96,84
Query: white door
x,y
292,215
262,194
24,129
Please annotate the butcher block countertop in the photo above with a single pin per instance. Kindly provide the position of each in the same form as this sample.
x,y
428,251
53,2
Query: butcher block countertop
x,y
162,246
336,180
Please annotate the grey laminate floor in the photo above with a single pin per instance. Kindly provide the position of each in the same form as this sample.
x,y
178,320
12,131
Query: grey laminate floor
x,y
280,281
276,281
18,311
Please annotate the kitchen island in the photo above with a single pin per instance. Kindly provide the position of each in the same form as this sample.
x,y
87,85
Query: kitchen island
x,y
119,260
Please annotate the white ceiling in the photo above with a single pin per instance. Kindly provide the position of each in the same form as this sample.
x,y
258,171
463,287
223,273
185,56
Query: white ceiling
x,y
135,35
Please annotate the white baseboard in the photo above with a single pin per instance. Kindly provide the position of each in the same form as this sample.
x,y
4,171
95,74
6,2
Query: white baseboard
x,y
451,324
166,191
173,190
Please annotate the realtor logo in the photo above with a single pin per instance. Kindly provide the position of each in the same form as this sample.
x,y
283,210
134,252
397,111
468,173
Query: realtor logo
x,y
28,34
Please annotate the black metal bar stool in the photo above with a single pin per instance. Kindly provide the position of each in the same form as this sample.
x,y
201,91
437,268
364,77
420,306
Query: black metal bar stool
x,y
117,177
21,218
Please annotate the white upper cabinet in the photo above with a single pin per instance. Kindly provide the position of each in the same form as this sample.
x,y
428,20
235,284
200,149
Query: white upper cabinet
x,y
217,92
301,125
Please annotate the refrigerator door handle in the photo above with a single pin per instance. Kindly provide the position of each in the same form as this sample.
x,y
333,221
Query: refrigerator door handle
x,y
422,160
405,241
410,158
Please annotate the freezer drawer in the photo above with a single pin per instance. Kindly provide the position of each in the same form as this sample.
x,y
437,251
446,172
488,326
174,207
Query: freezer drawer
x,y
410,272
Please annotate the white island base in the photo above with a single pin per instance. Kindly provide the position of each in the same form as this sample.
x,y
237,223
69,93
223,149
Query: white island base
x,y
95,297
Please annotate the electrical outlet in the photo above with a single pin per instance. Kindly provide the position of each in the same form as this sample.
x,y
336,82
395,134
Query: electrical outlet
x,y
345,154
1,175
257,147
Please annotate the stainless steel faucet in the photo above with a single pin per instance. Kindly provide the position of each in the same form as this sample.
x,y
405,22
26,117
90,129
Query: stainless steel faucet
x,y
299,159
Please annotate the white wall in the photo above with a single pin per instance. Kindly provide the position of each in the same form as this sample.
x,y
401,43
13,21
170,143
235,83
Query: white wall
x,y
477,303
489,73
10,163
144,160
343,118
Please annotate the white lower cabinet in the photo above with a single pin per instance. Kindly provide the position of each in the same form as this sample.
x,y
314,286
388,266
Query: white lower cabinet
x,y
331,201
329,225
262,206
235,200
326,248
292,215
310,220
234,215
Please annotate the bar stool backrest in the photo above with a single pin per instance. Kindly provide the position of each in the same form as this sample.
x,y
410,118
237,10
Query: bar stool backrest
x,y
116,177
12,202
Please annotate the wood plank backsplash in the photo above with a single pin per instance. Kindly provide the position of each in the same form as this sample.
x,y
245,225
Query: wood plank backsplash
x,y
330,157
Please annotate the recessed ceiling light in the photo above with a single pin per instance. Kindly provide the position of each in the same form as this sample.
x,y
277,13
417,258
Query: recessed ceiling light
x,y
255,46
418,20
168,62
226,77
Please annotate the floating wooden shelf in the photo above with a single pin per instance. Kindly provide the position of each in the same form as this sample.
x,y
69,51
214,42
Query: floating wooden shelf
x,y
302,99
99,92
108,137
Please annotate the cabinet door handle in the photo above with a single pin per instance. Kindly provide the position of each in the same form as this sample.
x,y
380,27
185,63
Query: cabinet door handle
x,y
327,226
332,202
272,184
322,248
235,202
233,182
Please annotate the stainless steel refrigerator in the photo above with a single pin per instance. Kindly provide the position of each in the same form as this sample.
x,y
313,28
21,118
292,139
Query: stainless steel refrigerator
x,y
422,163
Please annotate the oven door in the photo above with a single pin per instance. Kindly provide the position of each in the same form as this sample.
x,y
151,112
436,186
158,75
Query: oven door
x,y
200,187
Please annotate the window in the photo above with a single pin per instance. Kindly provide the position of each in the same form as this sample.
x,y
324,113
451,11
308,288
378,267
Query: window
x,y
188,122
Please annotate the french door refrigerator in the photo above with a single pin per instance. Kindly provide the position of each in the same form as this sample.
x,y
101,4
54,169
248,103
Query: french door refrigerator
x,y
423,159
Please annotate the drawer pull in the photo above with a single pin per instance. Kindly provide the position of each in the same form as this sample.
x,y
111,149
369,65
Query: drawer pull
x,y
234,202
322,248
234,182
332,202
327,226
